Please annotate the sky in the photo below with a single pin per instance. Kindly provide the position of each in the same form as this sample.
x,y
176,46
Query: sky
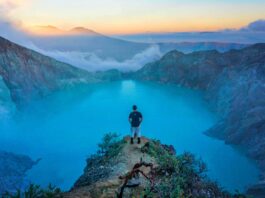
x,y
132,16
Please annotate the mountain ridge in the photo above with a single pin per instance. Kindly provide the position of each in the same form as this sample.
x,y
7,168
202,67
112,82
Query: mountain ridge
x,y
30,75
234,87
111,46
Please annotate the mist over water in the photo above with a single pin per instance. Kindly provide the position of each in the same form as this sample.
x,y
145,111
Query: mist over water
x,y
65,128
91,62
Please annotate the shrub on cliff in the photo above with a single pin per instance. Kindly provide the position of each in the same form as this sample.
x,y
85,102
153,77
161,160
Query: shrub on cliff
x,y
179,176
35,191
110,145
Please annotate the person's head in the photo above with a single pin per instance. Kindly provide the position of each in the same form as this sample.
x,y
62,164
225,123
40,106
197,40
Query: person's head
x,y
134,107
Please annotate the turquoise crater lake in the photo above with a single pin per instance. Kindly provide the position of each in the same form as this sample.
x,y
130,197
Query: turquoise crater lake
x,y
65,128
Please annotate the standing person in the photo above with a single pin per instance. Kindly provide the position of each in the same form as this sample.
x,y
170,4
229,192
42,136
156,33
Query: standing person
x,y
135,118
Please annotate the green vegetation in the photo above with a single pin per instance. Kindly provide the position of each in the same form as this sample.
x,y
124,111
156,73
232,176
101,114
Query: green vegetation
x,y
99,165
35,191
181,176
110,146
176,176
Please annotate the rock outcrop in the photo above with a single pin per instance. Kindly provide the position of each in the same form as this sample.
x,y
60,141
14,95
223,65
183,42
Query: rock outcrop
x,y
101,176
234,85
13,170
149,169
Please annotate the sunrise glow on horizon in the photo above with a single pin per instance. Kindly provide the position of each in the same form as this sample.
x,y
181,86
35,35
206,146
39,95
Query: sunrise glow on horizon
x,y
129,17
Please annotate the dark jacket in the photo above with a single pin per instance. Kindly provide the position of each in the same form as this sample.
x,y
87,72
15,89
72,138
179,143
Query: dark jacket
x,y
135,118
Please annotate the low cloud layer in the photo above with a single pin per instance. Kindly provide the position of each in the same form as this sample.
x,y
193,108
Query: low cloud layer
x,y
85,60
6,6
256,26
13,33
91,62
252,33
9,28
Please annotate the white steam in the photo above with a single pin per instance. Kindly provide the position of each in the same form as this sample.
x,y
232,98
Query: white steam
x,y
91,62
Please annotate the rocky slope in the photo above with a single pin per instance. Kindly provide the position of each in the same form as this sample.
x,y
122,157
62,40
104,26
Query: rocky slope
x,y
7,106
30,75
149,169
234,85
13,169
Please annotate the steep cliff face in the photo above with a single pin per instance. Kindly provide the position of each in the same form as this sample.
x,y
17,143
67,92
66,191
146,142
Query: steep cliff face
x,y
30,75
7,107
234,85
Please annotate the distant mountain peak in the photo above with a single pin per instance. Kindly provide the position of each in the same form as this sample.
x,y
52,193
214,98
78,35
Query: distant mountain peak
x,y
82,30
49,27
53,30
46,30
